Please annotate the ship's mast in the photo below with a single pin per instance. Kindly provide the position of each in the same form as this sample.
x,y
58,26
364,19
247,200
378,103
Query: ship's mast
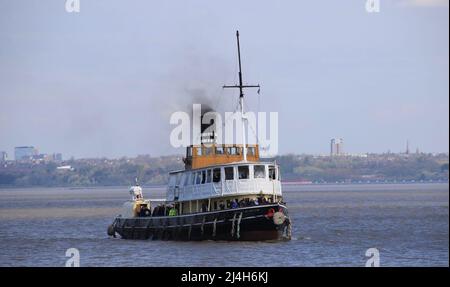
x,y
241,87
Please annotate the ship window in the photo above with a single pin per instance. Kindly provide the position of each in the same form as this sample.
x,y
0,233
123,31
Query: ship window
x,y
192,178
198,178
271,172
208,176
231,150
251,151
199,151
278,173
259,171
172,180
208,150
182,179
187,179
189,152
238,150
203,176
219,150
243,172
216,175
229,173
178,179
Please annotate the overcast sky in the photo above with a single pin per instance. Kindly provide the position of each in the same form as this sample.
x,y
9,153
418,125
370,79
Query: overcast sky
x,y
103,82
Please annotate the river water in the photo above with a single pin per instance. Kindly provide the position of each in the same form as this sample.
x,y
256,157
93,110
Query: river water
x,y
333,225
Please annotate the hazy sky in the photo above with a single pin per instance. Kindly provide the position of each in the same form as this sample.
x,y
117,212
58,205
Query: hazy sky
x,y
103,82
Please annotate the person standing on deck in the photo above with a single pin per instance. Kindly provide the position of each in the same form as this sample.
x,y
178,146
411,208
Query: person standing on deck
x,y
172,211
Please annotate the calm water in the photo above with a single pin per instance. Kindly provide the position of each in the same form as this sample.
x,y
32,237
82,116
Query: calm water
x,y
334,225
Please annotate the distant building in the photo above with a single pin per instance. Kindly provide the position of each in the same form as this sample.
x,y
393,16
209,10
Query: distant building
x,y
337,147
57,157
24,152
43,157
3,156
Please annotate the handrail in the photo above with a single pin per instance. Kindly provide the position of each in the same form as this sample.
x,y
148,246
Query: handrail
x,y
212,212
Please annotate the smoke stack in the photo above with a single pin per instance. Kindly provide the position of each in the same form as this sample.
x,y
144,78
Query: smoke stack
x,y
210,136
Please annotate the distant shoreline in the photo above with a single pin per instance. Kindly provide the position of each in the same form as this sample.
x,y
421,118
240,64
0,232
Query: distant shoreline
x,y
365,182
285,183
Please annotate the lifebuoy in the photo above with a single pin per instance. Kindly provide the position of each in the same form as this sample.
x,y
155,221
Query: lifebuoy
x,y
270,213
279,218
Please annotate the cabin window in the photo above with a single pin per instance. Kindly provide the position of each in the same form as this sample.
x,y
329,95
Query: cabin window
x,y
192,178
198,178
183,179
243,172
208,176
199,151
238,150
271,172
178,179
229,173
219,150
172,180
259,171
251,151
187,179
216,175
231,150
208,150
189,152
278,173
203,176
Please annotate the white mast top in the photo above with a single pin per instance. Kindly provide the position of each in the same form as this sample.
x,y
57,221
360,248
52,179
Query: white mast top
x,y
241,86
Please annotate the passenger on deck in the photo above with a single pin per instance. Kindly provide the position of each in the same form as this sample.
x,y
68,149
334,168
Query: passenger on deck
x,y
143,212
173,211
167,210
234,204
162,210
156,211
261,200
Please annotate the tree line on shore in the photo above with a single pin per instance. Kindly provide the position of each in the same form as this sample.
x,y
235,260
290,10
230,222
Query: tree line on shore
x,y
154,170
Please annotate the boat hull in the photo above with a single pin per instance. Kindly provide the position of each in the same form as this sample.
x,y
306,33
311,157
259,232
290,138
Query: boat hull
x,y
254,223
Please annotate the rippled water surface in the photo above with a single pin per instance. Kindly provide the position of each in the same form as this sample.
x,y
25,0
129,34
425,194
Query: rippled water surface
x,y
334,225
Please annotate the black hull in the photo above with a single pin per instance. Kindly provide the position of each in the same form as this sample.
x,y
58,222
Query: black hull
x,y
244,224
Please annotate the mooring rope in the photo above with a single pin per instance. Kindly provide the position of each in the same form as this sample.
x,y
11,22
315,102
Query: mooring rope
x,y
239,226
232,225
203,223
214,227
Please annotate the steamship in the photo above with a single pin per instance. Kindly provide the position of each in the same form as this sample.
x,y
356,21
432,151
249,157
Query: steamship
x,y
224,192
